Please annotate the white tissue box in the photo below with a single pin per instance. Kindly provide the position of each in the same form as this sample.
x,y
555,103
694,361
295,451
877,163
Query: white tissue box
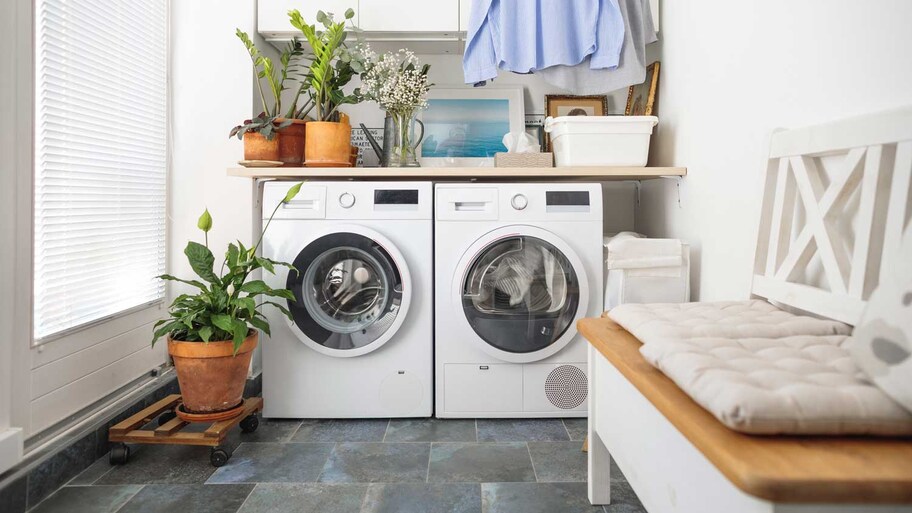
x,y
523,159
600,140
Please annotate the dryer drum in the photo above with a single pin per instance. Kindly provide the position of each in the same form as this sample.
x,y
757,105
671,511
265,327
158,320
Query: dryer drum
x,y
520,294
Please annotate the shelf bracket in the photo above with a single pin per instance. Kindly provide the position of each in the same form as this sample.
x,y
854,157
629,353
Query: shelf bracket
x,y
677,181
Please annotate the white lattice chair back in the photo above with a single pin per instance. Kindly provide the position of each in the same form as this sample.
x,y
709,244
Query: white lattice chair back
x,y
835,205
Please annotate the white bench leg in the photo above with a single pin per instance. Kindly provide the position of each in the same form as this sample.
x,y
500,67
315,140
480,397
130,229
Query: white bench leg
x,y
599,459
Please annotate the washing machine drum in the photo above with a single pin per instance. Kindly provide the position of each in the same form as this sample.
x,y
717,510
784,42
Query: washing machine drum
x,y
348,291
520,294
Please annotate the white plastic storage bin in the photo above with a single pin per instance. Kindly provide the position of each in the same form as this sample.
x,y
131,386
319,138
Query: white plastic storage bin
x,y
640,270
600,140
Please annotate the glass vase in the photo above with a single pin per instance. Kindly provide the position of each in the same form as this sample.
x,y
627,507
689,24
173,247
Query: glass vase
x,y
403,147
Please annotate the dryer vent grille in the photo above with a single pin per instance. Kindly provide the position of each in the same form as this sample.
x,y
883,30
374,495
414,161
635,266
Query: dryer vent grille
x,y
566,387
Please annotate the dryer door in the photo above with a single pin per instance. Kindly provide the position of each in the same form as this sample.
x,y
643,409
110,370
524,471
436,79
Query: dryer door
x,y
351,292
522,290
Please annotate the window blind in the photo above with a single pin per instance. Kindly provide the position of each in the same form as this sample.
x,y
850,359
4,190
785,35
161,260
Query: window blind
x,y
100,160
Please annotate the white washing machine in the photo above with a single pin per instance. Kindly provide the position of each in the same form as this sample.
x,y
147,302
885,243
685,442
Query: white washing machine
x,y
361,341
516,265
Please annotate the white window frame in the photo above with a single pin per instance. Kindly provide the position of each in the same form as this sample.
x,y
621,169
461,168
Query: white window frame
x,y
72,357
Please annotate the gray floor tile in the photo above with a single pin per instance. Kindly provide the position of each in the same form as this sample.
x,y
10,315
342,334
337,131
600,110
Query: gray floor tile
x,y
61,467
87,499
272,430
430,430
162,464
13,496
536,498
558,461
577,428
377,463
305,498
93,473
623,498
477,463
521,430
273,463
423,498
341,430
162,498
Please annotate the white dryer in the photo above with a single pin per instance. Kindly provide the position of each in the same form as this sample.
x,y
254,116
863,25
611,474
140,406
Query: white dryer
x,y
360,344
516,265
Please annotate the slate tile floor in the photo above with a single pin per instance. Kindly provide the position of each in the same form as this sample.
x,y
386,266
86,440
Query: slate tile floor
x,y
357,466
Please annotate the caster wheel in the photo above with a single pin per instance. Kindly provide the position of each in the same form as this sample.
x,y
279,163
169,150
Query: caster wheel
x,y
219,456
165,417
250,424
119,455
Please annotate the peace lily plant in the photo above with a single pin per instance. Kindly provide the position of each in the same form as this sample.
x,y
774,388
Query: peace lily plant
x,y
212,332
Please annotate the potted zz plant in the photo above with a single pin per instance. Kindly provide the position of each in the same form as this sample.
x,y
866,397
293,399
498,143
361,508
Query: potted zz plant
x,y
331,67
272,136
212,332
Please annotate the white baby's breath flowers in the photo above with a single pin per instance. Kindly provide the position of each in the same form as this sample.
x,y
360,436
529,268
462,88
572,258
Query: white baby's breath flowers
x,y
397,81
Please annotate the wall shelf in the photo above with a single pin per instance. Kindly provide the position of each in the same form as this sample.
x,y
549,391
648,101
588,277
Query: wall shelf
x,y
598,174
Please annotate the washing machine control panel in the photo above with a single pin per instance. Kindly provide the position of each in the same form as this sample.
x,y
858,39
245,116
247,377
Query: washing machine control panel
x,y
347,200
519,201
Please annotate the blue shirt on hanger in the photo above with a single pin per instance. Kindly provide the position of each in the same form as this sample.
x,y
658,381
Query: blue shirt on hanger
x,y
523,36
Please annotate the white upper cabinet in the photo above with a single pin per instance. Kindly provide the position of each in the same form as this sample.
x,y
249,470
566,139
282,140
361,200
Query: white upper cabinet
x,y
413,16
464,7
272,15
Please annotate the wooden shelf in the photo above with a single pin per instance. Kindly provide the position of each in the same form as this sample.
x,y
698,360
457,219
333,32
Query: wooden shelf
x,y
598,174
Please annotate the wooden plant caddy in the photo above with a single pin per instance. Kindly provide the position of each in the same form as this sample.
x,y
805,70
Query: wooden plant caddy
x,y
170,430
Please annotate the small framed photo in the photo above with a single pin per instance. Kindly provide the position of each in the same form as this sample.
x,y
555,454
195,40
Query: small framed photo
x,y
565,105
464,126
641,98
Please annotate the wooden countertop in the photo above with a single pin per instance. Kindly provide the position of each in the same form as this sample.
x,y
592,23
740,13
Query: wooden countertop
x,y
786,469
597,174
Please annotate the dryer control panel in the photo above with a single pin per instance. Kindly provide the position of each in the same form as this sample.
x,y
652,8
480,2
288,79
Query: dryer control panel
x,y
350,200
519,202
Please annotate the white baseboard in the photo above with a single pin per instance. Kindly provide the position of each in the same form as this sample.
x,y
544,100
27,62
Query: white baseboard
x,y
10,448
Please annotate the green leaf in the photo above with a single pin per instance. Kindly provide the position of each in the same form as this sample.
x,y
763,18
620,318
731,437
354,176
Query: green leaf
x,y
205,333
255,287
292,192
205,221
280,307
349,13
260,324
188,282
248,304
265,264
240,333
223,322
201,261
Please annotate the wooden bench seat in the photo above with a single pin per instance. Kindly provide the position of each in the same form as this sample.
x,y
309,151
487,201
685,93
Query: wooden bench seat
x,y
779,469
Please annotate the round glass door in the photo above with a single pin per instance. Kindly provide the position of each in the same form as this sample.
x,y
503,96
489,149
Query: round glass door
x,y
520,294
348,293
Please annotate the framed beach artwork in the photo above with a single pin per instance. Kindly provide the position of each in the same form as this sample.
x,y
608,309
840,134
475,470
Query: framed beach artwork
x,y
464,126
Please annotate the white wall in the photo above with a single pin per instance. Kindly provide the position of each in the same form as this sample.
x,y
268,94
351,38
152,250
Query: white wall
x,y
731,73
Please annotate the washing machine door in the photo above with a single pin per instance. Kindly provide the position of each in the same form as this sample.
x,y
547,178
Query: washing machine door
x,y
352,292
522,289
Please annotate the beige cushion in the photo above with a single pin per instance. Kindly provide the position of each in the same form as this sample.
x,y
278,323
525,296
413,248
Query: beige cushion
x,y
792,385
882,342
730,319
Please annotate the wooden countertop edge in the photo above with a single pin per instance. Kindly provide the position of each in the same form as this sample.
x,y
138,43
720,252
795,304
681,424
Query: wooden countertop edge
x,y
777,468
481,173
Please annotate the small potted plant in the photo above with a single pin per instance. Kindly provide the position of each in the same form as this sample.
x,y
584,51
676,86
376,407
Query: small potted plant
x,y
271,136
331,67
213,331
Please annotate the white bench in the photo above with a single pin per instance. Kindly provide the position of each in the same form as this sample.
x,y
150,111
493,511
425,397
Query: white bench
x,y
680,458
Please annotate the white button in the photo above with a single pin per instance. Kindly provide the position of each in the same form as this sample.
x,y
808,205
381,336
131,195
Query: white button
x,y
347,199
519,202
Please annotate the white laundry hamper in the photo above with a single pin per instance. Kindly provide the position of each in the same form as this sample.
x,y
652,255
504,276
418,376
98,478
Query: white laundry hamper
x,y
641,270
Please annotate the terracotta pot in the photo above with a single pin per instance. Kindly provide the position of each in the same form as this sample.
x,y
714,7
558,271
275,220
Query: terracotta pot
x,y
328,144
256,147
291,142
210,375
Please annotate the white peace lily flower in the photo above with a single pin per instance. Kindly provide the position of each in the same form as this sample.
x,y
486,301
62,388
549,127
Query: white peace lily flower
x,y
230,289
